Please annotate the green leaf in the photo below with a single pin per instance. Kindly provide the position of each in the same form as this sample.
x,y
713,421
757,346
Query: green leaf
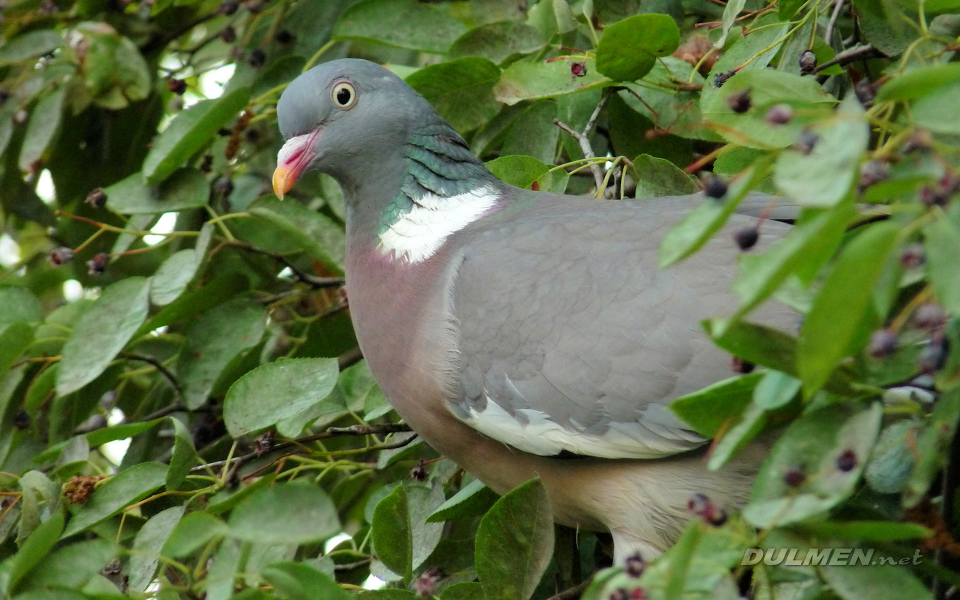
x,y
515,543
831,327
460,90
519,169
775,390
185,188
30,45
115,72
751,423
213,340
835,159
35,548
892,460
14,340
918,82
42,129
184,455
498,42
173,276
696,229
657,177
868,531
72,566
465,590
100,437
813,444
730,13
882,582
535,80
148,544
301,581
291,386
402,535
708,410
767,88
102,332
399,23
190,131
533,133
942,246
286,513
19,305
192,532
628,49
931,447
804,249
123,489
472,500
309,230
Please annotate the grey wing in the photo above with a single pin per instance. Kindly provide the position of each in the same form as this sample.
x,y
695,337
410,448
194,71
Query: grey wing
x,y
572,340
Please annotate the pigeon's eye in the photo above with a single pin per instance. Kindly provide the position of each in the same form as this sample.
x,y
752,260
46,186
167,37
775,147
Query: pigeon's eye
x,y
344,95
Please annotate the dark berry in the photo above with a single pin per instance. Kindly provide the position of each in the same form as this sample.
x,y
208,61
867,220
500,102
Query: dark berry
x,y
883,343
697,502
949,183
714,187
721,78
865,92
740,101
847,461
284,37
254,6
21,420
638,594
929,316
419,472
746,237
98,264
918,139
873,172
61,256
779,114
252,136
714,515
48,7
794,477
619,594
934,356
806,142
206,164
741,366
912,256
223,132
228,34
177,86
257,58
932,197
578,69
96,198
228,7
635,565
4,96
808,62
223,186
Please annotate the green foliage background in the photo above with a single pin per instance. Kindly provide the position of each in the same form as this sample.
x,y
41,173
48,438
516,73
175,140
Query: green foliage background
x,y
222,350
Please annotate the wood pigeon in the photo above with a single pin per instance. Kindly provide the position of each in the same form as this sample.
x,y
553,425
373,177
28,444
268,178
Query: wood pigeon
x,y
521,334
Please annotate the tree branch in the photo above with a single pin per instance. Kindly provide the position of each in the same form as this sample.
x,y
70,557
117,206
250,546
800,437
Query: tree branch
x,y
583,139
158,366
848,56
311,280
322,435
837,7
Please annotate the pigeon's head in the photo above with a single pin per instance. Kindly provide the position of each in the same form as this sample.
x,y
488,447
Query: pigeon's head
x,y
343,116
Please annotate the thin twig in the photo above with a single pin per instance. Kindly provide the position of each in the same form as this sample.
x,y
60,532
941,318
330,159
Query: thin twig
x,y
311,280
574,592
837,7
350,358
851,55
583,139
158,366
325,434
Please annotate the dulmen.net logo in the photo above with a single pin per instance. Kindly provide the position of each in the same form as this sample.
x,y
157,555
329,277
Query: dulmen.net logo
x,y
833,557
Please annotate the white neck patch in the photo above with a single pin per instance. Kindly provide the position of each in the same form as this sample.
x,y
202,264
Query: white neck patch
x,y
418,234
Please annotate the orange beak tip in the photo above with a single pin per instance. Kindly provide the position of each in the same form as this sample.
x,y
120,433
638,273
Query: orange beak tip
x,y
283,180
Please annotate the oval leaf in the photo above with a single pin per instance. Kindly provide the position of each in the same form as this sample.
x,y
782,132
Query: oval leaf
x,y
287,513
629,48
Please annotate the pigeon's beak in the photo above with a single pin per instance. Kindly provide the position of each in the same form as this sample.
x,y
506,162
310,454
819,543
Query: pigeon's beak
x,y
295,156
